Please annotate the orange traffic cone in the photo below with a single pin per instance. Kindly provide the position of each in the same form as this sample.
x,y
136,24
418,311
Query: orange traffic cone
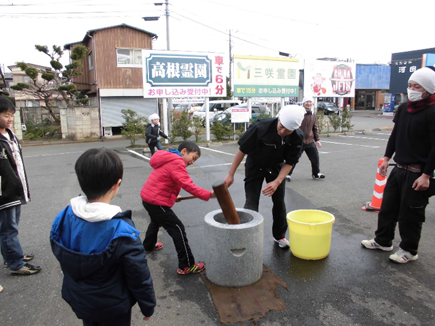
x,y
378,192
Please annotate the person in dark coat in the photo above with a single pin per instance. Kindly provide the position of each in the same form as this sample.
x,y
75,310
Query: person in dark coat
x,y
14,192
104,265
410,184
153,134
273,146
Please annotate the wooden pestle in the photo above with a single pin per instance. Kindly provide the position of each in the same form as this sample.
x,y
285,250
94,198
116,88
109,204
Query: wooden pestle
x,y
225,202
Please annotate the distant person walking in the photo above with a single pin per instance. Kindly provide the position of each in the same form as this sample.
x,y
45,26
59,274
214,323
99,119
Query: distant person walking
x,y
153,133
310,128
409,184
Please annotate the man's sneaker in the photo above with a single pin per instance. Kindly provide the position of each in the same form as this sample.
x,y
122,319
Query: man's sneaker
x,y
283,243
157,247
318,176
194,269
402,256
26,258
288,178
372,244
27,269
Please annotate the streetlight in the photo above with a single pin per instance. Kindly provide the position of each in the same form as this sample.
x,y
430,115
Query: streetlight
x,y
154,18
149,19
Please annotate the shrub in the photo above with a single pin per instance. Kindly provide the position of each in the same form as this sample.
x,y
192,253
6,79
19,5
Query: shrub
x,y
222,131
197,128
133,125
321,121
182,126
347,117
335,121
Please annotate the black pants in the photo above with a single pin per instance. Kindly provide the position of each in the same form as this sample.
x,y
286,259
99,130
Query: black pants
x,y
313,155
254,177
404,206
163,216
123,320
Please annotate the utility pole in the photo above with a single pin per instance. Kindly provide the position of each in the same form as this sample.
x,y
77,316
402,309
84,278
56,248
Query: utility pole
x,y
167,25
231,62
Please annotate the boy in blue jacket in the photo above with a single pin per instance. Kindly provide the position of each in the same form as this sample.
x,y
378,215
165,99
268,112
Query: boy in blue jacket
x,y
99,249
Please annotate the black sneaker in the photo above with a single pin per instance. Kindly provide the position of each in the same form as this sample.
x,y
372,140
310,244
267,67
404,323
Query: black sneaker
x,y
318,176
27,269
288,178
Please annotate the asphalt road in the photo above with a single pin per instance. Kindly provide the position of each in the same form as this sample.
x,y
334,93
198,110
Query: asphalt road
x,y
352,286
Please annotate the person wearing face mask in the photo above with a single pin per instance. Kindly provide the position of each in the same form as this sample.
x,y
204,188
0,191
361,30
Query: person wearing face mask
x,y
410,184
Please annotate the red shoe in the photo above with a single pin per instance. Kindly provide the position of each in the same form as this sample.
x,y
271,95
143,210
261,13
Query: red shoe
x,y
157,247
194,269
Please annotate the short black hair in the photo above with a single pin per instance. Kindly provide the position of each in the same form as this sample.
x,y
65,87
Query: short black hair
x,y
98,170
190,146
5,105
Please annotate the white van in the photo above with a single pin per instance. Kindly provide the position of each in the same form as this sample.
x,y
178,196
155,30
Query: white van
x,y
215,107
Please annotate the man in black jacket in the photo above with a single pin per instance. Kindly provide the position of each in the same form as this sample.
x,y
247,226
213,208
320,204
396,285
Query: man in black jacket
x,y
409,185
269,143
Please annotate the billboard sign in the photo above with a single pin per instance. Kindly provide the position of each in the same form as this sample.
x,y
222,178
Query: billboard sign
x,y
185,75
401,70
329,78
265,77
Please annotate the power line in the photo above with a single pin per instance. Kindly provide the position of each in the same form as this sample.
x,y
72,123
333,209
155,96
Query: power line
x,y
224,32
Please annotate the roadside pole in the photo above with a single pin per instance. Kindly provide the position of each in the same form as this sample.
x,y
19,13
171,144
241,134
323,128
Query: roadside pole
x,y
207,120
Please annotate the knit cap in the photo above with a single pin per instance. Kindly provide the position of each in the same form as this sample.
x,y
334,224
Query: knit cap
x,y
154,116
425,77
291,116
306,99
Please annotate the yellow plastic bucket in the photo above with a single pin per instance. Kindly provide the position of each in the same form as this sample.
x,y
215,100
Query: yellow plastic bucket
x,y
310,233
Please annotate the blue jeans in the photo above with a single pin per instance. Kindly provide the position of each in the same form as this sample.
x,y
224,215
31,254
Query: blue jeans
x,y
152,149
10,245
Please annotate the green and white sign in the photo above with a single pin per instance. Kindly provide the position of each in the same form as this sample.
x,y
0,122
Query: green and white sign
x,y
265,77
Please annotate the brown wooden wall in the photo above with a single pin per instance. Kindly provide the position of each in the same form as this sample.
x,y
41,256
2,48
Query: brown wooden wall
x,y
106,43
105,72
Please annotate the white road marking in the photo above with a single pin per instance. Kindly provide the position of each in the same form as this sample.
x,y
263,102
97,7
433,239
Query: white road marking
x,y
346,144
140,155
362,137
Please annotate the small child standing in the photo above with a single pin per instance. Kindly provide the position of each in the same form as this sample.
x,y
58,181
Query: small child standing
x,y
159,194
153,134
14,192
99,250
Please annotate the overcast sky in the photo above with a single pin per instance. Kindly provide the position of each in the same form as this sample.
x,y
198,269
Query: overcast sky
x,y
365,31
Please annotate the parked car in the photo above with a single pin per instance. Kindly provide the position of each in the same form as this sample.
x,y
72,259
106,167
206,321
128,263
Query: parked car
x,y
190,108
327,108
225,116
214,107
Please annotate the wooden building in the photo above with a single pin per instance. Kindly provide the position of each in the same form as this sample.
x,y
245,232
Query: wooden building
x,y
112,73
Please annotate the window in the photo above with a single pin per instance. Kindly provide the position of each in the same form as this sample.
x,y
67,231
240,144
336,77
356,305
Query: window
x,y
91,61
129,58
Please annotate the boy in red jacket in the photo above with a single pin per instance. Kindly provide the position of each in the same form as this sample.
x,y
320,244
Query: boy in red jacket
x,y
159,194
